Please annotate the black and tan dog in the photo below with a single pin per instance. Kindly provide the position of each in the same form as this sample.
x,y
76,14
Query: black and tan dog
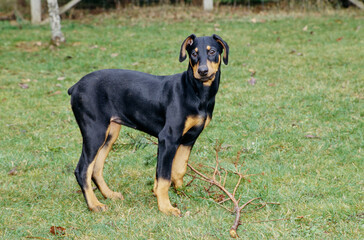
x,y
175,109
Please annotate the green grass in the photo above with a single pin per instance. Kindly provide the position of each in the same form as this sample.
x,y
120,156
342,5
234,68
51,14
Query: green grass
x,y
308,83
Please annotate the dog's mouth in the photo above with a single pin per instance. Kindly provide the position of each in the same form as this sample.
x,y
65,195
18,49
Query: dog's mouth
x,y
207,78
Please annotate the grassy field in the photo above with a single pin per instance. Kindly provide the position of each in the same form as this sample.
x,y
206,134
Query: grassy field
x,y
301,124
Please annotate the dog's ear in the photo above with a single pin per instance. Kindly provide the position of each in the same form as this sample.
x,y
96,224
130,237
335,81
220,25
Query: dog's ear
x,y
187,42
225,46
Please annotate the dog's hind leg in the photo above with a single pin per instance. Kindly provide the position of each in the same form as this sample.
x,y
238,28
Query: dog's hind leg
x,y
93,141
97,175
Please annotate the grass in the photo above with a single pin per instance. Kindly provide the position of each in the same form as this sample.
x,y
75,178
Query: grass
x,y
310,81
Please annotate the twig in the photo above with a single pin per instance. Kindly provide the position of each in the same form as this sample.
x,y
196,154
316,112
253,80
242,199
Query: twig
x,y
220,205
248,202
237,185
231,196
274,220
193,178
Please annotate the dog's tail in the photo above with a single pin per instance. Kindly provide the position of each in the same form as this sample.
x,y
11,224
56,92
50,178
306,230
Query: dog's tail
x,y
70,90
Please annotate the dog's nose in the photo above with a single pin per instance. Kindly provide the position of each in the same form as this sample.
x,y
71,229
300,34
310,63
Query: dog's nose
x,y
202,70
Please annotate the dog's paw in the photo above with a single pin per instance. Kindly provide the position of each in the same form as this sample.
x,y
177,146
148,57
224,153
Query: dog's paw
x,y
171,211
98,208
116,196
178,184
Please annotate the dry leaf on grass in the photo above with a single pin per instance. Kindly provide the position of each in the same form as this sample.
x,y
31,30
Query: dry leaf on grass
x,y
13,171
54,93
57,230
252,81
311,136
23,85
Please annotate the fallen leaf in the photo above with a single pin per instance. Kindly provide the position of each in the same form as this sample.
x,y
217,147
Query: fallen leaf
x,y
292,51
311,136
94,46
61,78
76,44
271,84
295,52
253,20
57,230
26,80
339,39
13,171
23,85
55,93
114,55
305,28
135,63
252,71
252,81
225,146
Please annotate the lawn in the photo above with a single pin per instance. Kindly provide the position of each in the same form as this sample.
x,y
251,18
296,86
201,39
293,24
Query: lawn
x,y
290,100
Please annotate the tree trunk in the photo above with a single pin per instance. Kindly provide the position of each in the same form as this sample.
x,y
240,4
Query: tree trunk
x,y
35,10
55,20
208,5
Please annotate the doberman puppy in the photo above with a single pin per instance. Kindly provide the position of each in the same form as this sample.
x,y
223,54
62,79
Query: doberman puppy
x,y
175,109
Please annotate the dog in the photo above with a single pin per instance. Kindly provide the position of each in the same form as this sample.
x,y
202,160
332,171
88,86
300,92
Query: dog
x,y
175,109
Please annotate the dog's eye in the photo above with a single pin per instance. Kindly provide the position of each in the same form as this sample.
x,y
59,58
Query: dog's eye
x,y
212,52
194,54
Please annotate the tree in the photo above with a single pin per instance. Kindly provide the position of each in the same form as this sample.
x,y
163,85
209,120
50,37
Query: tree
x,y
208,5
55,21
35,9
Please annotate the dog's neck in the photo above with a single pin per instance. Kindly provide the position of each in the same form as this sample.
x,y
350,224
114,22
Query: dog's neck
x,y
204,93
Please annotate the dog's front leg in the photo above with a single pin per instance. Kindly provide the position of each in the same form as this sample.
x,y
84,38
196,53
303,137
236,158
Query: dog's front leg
x,y
167,148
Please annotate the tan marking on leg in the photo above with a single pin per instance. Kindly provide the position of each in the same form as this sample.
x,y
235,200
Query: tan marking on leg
x,y
91,199
207,121
164,204
113,131
179,165
155,186
192,121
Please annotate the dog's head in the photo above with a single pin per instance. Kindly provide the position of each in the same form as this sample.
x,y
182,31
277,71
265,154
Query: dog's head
x,y
205,56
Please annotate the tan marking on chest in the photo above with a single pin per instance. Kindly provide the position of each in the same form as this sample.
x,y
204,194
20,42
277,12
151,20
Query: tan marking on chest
x,y
191,122
208,119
